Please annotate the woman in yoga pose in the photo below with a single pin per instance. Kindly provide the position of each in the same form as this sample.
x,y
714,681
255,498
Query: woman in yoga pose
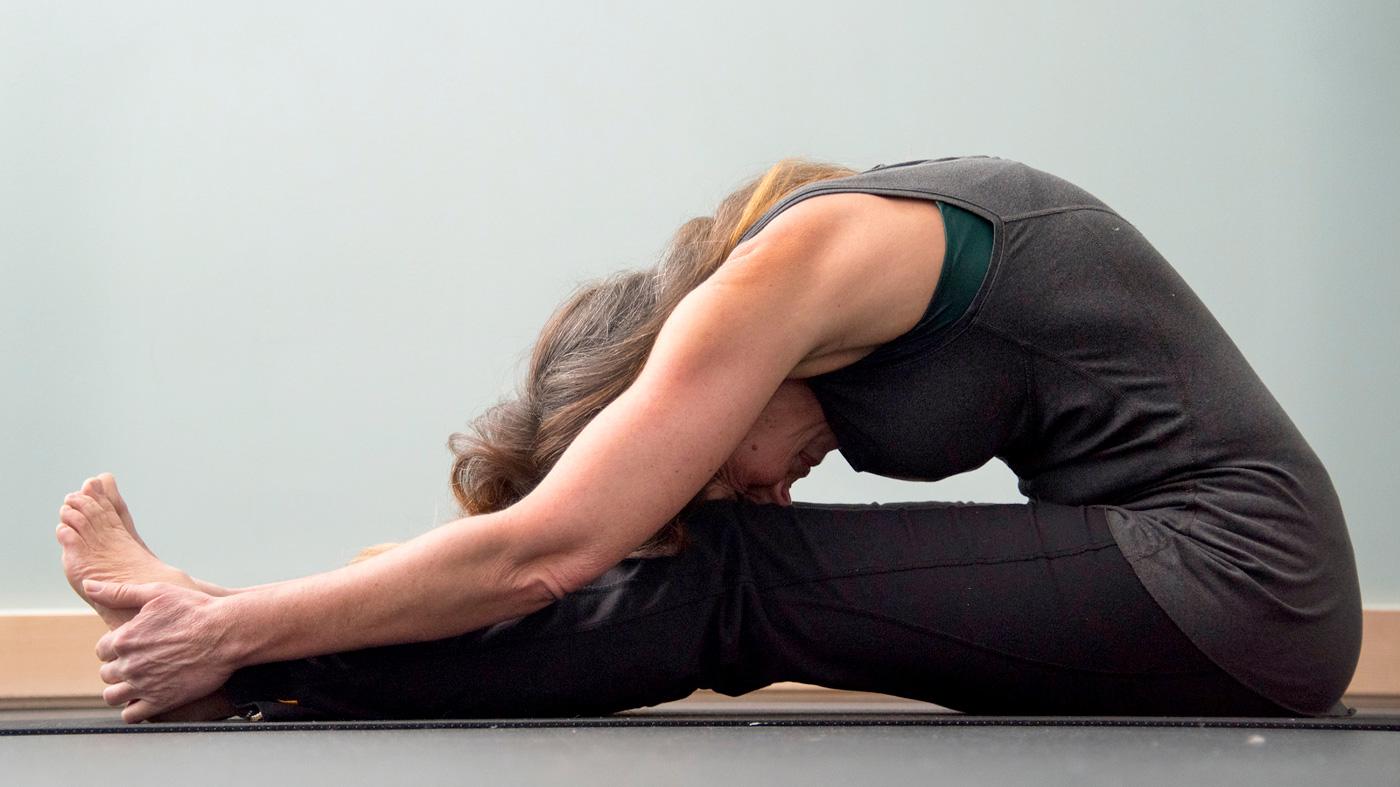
x,y
628,533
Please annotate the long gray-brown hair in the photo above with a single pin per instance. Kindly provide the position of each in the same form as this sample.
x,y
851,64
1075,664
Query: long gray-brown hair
x,y
593,348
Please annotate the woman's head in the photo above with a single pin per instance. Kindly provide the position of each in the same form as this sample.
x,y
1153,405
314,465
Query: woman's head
x,y
790,437
595,345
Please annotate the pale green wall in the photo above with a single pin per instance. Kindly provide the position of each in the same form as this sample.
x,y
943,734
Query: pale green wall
x,y
260,259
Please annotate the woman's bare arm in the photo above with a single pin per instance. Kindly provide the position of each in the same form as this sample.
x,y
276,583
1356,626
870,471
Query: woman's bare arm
x,y
815,287
715,365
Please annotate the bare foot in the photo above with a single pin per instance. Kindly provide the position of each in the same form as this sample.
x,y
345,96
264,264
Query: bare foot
x,y
107,483
99,542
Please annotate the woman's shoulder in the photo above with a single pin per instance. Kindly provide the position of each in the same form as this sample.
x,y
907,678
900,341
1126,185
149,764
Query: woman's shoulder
x,y
820,215
868,261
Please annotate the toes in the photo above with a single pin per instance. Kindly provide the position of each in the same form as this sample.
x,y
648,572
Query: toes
x,y
92,508
67,536
114,496
95,488
85,504
73,518
109,485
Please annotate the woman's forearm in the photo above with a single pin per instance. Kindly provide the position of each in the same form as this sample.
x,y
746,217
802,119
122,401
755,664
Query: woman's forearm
x,y
462,576
221,591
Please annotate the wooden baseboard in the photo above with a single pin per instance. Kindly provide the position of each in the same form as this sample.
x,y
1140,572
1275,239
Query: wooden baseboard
x,y
49,656
47,660
1378,671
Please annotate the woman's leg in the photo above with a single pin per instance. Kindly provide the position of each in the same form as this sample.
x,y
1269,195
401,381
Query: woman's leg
x,y
1025,609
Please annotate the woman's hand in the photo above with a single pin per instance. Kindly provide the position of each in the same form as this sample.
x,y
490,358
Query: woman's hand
x,y
174,651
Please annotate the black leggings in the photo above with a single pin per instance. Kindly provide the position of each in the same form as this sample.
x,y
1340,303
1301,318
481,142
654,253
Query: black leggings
x,y
996,609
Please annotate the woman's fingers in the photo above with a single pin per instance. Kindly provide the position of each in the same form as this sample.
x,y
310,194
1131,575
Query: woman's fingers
x,y
105,649
119,694
109,673
121,595
165,650
139,710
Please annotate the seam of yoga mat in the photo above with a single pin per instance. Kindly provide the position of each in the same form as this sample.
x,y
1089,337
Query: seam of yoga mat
x,y
1383,724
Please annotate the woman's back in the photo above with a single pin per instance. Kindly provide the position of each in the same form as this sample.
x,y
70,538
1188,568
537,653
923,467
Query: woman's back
x,y
1089,367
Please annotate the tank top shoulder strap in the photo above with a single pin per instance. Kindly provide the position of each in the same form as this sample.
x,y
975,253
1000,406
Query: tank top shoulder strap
x,y
996,189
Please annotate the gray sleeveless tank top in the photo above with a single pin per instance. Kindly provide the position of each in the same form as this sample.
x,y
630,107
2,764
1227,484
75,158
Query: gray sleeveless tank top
x,y
1088,366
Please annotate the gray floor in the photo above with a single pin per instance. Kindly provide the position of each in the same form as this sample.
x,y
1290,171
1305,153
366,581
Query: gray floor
x,y
717,755
728,756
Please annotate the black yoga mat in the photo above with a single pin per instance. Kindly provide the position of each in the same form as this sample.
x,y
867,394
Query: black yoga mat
x,y
105,726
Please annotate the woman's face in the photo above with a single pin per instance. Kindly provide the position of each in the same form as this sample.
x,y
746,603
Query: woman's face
x,y
789,438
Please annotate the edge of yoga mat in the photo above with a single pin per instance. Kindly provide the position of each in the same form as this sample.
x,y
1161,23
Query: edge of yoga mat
x,y
87,727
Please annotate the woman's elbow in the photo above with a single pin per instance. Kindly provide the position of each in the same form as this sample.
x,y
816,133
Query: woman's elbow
x,y
545,580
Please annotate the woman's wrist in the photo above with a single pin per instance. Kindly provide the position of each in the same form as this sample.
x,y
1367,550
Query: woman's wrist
x,y
212,589
243,635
